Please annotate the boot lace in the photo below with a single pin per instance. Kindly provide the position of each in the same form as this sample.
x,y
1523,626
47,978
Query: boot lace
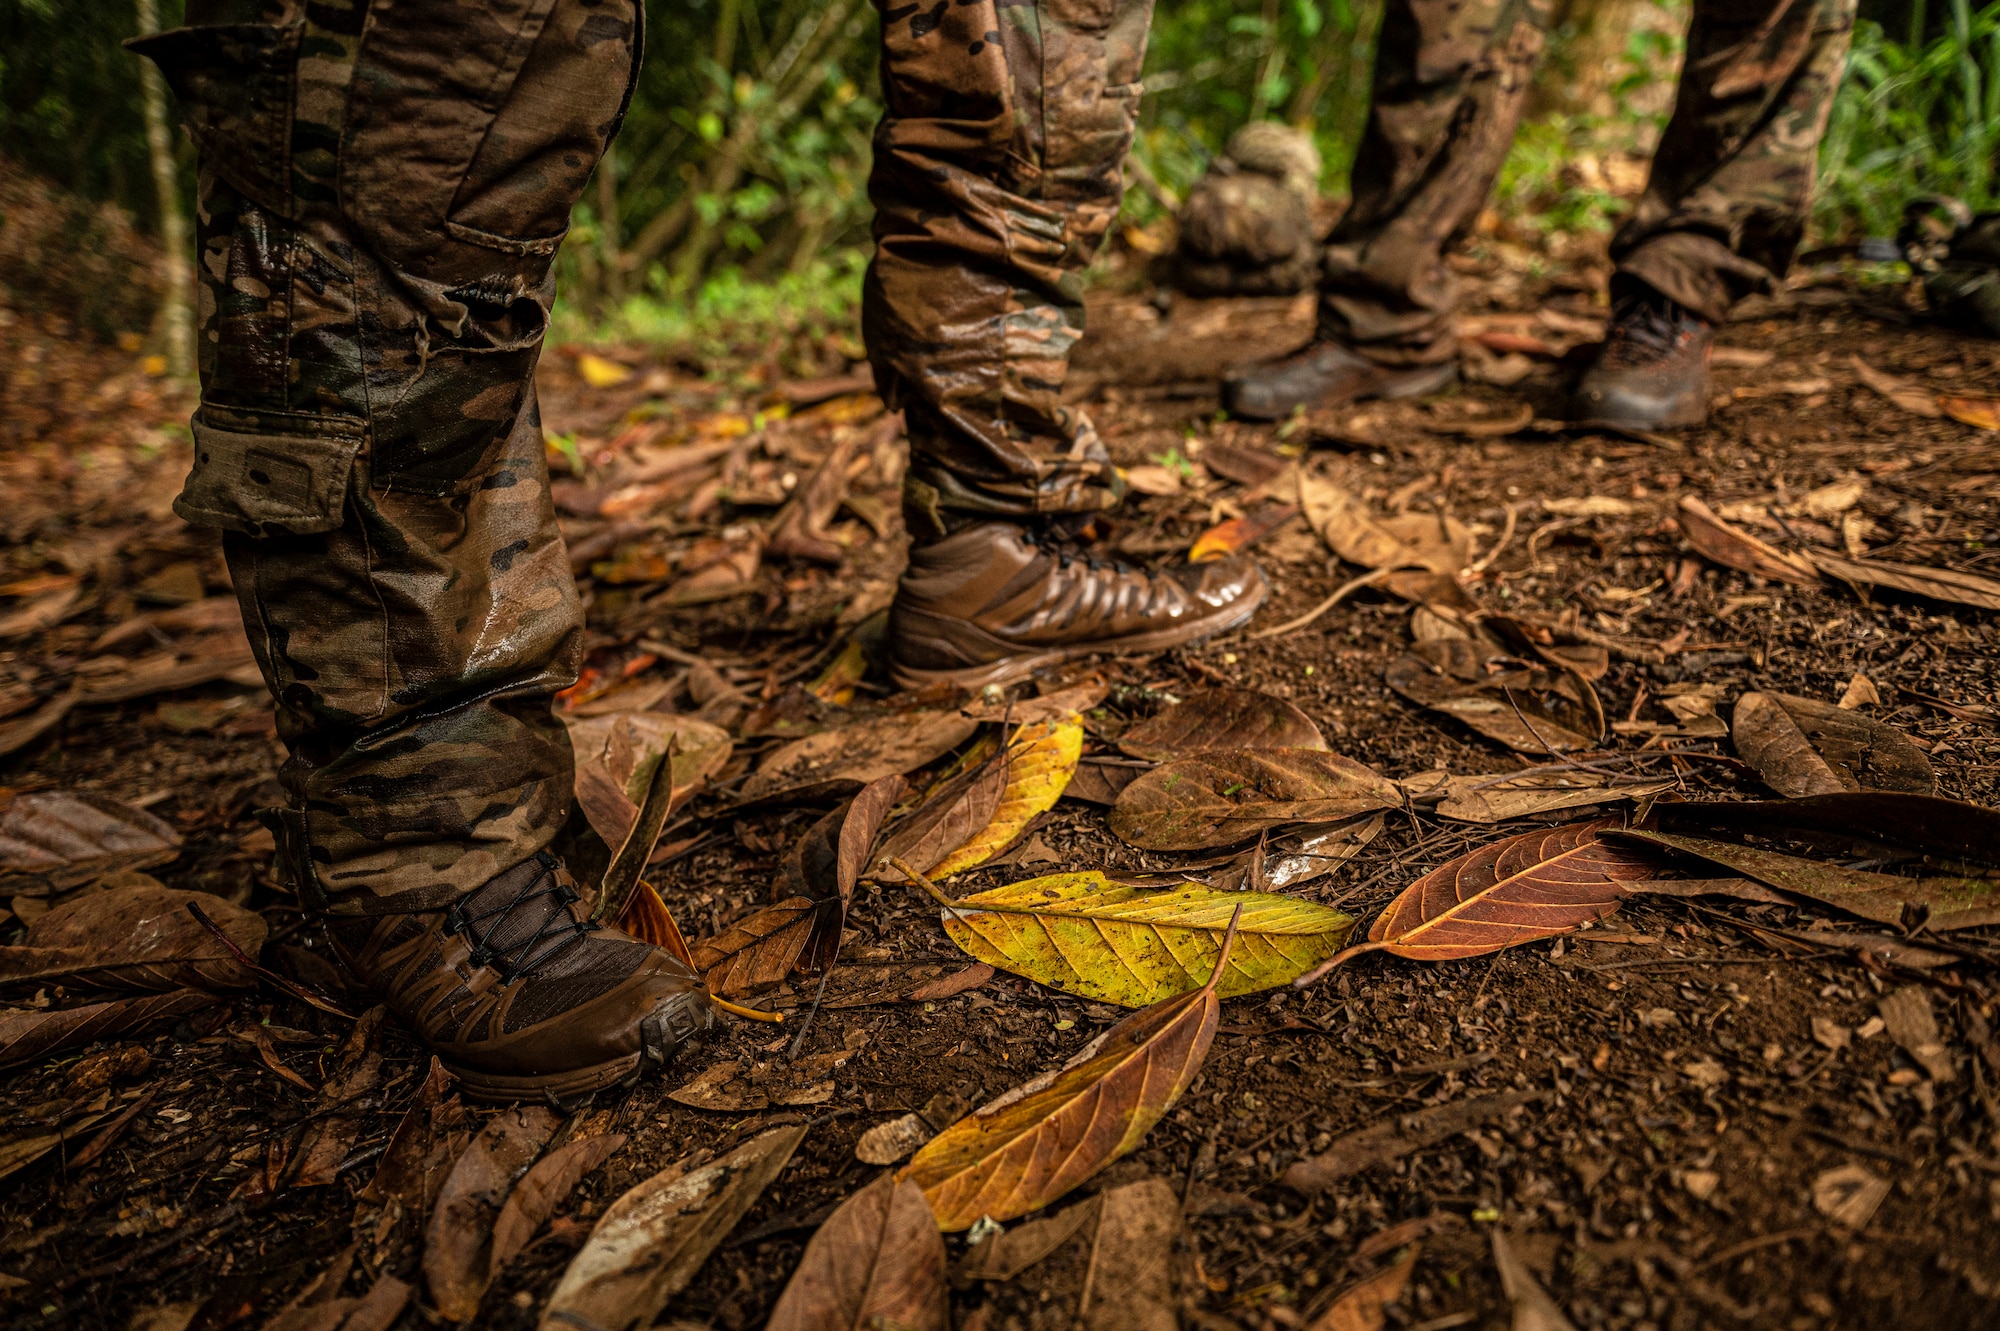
x,y
517,959
1646,327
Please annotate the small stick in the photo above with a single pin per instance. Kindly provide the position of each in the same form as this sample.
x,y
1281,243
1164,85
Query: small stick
x,y
1340,594
304,995
1485,561
1344,955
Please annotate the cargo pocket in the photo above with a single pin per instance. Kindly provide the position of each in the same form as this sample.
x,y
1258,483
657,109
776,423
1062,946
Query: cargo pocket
x,y
234,82
266,472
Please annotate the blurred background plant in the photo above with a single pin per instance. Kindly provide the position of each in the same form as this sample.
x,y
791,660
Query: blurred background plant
x,y
733,212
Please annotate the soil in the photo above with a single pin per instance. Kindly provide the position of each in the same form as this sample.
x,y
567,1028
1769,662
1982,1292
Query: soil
x,y
1664,1176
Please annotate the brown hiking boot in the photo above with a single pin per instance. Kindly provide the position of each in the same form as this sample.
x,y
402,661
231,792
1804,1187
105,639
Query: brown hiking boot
x,y
1322,375
1653,371
522,996
996,601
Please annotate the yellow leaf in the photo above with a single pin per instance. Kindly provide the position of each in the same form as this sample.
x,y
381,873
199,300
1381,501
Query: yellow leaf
x,y
601,373
154,366
1085,935
1040,761
1980,412
836,683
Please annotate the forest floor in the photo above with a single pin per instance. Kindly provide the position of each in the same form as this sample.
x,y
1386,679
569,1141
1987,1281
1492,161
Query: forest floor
x,y
1705,1104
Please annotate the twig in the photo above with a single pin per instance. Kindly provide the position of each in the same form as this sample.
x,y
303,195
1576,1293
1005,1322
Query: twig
x,y
1340,594
1485,561
297,991
799,1041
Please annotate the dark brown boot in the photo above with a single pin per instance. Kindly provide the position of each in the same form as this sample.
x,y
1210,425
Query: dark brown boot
x,y
1653,371
520,994
1324,375
997,601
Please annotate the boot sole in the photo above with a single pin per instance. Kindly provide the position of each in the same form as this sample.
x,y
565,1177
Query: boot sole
x,y
1014,666
494,1089
1403,384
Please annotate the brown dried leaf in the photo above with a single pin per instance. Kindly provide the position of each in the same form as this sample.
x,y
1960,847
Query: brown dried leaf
x,y
799,529
1534,1310
902,982
1359,1308
1397,1136
1220,799
757,953
1535,885
543,1189
1802,747
1939,584
1870,821
1982,413
1014,1250
826,861
1129,1285
1222,719
1530,708
139,936
459,1244
947,819
1038,1141
26,1037
1911,397
891,745
651,1241
54,840
427,1140
1732,547
1884,898
1439,545
1226,538
878,1261
616,756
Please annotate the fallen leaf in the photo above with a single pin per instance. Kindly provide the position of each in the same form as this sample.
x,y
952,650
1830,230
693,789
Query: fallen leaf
x,y
1047,707
1942,829
1359,1308
54,840
1398,1135
17,1153
1437,544
1489,799
1528,707
1939,584
1220,799
1830,1034
1860,692
1041,758
1836,497
647,919
1911,397
1907,1016
651,1241
1035,1143
902,982
1129,1285
1981,413
1591,506
28,1036
1735,548
877,1262
1084,935
41,613
458,1246
544,1188
427,1140
1290,861
1150,479
949,817
1884,898
890,745
617,754
138,936
1849,1195
601,373
758,952
1221,719
1244,465
1512,420
1534,1310
1802,747
1012,1251
337,1117
826,861
725,1087
1536,885
17,735
1227,538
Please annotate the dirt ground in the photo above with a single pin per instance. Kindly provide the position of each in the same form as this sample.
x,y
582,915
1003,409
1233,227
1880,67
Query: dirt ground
x,y
1662,1174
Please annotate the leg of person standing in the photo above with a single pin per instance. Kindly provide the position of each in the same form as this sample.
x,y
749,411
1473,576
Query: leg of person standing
x,y
383,187
1451,80
998,170
1726,205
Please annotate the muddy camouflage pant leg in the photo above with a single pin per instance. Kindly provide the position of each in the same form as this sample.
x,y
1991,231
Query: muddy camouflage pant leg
x,y
384,184
1732,181
997,172
1451,78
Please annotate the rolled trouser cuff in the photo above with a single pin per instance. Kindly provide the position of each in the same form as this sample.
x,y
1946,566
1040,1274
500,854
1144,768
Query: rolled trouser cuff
x,y
1695,271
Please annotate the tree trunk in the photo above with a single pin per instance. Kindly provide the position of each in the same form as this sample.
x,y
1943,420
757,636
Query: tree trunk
x,y
177,303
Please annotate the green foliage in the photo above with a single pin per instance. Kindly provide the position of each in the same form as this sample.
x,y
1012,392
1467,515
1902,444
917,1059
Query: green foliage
x,y
1913,117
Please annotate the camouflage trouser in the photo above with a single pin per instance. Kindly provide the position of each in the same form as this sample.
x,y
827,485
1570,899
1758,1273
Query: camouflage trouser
x,y
384,184
997,173
1723,211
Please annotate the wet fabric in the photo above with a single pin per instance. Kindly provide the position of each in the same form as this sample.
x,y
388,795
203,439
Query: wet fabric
x,y
997,172
383,188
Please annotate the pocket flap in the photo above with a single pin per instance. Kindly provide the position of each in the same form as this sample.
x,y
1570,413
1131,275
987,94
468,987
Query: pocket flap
x,y
261,473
